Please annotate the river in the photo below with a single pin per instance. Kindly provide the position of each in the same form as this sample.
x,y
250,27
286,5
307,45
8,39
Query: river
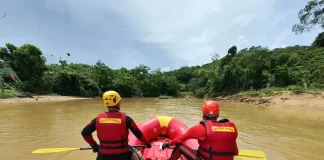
x,y
280,133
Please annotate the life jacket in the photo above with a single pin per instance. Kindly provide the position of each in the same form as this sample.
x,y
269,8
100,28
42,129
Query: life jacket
x,y
220,140
112,133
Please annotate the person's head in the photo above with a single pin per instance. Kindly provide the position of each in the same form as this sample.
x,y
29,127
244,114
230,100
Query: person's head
x,y
111,100
210,110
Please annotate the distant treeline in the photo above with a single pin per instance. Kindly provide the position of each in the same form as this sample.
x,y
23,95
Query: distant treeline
x,y
252,68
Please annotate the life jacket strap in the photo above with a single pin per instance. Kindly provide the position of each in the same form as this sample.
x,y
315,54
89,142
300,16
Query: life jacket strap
x,y
216,153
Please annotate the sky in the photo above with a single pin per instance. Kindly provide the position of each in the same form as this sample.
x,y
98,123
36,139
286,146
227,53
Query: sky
x,y
164,34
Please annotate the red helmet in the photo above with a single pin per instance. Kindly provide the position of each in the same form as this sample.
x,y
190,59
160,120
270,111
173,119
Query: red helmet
x,y
210,108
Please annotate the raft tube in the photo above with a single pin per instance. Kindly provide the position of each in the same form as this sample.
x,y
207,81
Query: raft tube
x,y
157,130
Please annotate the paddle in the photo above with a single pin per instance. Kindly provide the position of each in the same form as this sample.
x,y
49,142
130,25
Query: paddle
x,y
55,150
251,155
245,154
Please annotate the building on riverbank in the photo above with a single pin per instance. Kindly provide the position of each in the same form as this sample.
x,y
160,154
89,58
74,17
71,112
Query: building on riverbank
x,y
6,75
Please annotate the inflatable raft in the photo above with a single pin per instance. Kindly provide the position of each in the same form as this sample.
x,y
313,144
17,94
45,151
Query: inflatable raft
x,y
158,130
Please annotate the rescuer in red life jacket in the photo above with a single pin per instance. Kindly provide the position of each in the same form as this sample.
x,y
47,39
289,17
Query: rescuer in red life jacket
x,y
215,138
112,131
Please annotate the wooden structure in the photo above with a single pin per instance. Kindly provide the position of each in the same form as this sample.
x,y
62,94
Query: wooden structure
x,y
6,72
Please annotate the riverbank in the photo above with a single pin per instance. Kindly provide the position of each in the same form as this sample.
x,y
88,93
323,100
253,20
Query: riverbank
x,y
40,98
283,99
272,98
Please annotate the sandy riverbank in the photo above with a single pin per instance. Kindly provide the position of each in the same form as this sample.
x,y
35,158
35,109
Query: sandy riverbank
x,y
283,100
46,98
286,100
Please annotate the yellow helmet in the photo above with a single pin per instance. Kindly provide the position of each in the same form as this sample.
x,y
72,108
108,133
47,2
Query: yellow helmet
x,y
111,98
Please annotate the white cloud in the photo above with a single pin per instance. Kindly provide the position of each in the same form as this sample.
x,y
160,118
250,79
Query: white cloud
x,y
187,29
281,40
170,34
191,30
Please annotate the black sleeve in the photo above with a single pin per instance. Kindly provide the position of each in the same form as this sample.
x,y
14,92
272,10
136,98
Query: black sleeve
x,y
133,127
90,128
224,120
129,122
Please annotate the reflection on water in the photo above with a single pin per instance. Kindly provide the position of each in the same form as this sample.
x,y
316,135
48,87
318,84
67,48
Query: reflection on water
x,y
280,133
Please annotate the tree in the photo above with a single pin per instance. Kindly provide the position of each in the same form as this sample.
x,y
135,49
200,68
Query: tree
x,y
255,68
232,51
140,72
319,40
103,75
6,52
29,62
310,16
214,57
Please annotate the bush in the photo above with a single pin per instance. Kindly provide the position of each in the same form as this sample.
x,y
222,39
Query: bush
x,y
200,93
70,83
297,89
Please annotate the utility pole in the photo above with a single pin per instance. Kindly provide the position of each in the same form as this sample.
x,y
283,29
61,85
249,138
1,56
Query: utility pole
x,y
1,80
1,85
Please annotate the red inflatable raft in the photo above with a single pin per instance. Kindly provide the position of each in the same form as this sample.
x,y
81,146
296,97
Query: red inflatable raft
x,y
157,130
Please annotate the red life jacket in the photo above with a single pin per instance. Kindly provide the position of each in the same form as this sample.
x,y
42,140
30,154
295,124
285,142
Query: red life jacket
x,y
220,141
112,132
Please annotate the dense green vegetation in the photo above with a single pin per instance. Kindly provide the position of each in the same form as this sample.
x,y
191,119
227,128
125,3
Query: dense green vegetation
x,y
299,68
252,68
256,68
82,79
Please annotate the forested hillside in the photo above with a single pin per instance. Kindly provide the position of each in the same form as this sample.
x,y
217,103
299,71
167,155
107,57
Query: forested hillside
x,y
256,68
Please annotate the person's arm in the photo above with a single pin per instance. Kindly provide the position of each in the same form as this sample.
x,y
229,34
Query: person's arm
x,y
196,132
135,130
88,130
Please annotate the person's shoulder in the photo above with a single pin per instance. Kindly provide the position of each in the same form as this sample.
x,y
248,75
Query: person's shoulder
x,y
129,118
225,120
101,115
198,126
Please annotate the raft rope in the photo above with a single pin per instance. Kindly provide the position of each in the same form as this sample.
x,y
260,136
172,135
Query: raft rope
x,y
139,157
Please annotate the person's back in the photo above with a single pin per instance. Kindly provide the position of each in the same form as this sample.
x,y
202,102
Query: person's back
x,y
217,139
115,142
112,130
220,141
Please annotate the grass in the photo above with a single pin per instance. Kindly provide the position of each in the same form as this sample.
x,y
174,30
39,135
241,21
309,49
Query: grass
x,y
185,94
8,93
263,92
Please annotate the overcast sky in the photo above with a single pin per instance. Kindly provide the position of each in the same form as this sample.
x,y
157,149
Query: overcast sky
x,y
163,34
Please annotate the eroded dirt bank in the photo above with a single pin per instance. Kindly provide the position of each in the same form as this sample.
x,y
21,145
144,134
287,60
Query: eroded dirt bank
x,y
286,99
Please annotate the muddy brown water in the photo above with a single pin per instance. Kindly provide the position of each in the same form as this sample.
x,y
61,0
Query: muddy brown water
x,y
280,132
